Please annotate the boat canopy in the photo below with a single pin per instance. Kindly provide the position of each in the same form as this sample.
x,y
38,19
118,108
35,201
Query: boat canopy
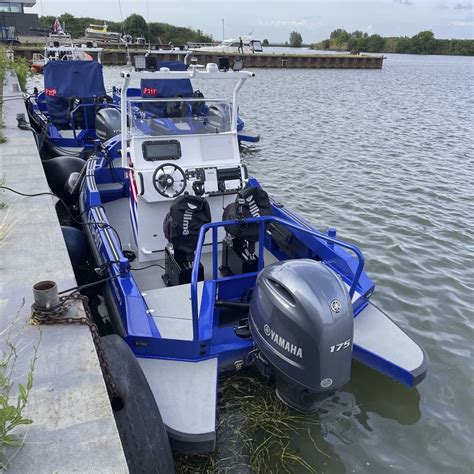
x,y
66,79
166,89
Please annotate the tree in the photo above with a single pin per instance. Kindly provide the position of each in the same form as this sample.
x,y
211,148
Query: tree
x,y
325,44
265,42
135,25
357,34
375,44
423,42
337,33
296,40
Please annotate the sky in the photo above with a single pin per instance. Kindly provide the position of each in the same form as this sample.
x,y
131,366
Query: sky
x,y
275,19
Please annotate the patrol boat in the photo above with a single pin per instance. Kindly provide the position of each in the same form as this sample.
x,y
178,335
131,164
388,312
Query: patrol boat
x,y
205,273
63,114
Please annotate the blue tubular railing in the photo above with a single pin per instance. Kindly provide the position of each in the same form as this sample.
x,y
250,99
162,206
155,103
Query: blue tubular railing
x,y
86,123
261,221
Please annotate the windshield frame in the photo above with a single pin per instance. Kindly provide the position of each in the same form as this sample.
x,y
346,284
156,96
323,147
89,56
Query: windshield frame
x,y
202,124
210,72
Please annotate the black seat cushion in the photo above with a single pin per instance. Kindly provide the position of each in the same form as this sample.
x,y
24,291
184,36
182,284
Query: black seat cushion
x,y
252,201
184,221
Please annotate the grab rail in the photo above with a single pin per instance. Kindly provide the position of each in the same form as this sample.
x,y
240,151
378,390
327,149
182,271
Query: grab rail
x,y
86,122
261,248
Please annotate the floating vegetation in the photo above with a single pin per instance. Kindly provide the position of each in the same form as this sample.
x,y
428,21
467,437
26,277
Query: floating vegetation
x,y
255,432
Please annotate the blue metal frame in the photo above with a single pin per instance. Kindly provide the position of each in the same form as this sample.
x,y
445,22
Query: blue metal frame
x,y
261,221
86,121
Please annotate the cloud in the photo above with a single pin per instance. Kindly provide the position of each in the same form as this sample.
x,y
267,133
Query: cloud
x,y
464,6
404,2
461,23
309,23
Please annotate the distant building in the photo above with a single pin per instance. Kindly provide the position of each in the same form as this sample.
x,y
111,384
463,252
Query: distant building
x,y
12,15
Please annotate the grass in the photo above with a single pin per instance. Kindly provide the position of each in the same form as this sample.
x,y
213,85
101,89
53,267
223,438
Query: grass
x,y
13,396
255,432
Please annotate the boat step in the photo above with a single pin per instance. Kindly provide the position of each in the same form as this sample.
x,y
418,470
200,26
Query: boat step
x,y
110,187
248,137
186,394
382,345
172,310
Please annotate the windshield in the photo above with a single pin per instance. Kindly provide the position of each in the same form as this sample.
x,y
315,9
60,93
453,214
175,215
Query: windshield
x,y
179,116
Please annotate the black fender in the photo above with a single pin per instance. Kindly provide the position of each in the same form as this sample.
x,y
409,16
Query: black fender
x,y
58,170
142,431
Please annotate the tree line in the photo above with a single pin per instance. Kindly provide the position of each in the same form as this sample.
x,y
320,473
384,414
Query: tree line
x,y
423,42
134,25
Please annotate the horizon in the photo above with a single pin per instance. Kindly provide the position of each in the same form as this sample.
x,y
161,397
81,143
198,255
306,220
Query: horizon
x,y
388,18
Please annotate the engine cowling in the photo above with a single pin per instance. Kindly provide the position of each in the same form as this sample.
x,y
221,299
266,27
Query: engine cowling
x,y
302,322
107,123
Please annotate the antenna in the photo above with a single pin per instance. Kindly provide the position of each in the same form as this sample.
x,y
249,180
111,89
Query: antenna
x,y
121,14
223,30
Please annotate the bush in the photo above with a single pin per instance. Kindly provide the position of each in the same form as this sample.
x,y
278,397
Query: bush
x,y
423,42
296,40
135,25
23,71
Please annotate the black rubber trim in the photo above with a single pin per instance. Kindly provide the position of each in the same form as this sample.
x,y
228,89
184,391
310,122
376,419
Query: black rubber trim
x,y
142,184
186,443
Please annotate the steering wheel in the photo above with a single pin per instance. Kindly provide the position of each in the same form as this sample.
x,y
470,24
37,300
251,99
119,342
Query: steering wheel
x,y
167,182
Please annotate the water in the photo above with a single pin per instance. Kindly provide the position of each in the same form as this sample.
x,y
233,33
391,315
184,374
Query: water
x,y
387,158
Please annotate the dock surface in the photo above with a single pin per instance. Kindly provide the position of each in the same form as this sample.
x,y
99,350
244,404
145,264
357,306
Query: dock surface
x,y
73,427
116,55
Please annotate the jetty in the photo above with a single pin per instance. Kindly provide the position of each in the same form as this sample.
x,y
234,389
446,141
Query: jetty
x,y
73,427
116,55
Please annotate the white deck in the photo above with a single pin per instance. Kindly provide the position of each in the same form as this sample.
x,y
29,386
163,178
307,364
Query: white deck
x,y
172,311
377,334
186,393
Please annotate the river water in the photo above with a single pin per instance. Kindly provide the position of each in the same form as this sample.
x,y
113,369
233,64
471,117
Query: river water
x,y
387,157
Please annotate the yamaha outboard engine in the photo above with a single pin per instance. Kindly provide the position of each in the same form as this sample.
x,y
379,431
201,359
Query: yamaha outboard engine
x,y
107,123
302,323
181,228
238,250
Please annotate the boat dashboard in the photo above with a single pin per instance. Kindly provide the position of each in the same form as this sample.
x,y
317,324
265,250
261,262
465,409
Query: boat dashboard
x,y
201,165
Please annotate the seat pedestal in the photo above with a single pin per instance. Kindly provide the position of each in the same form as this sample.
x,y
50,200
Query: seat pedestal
x,y
237,259
178,269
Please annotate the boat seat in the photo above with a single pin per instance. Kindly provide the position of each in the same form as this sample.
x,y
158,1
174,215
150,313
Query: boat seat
x,y
181,227
183,222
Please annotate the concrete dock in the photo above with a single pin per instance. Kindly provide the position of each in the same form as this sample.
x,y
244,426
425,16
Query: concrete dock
x,y
73,427
114,55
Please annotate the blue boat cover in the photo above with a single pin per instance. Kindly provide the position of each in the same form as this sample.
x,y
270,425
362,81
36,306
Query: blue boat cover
x,y
66,79
164,88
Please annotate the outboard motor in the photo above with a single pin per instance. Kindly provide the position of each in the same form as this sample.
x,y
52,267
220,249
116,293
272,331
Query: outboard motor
x,y
238,251
302,323
107,123
181,228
